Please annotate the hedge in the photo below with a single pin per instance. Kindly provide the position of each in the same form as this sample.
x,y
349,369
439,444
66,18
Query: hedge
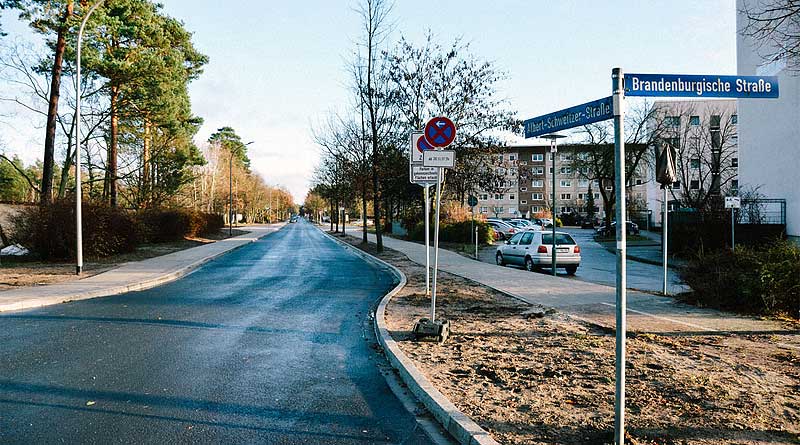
x,y
454,232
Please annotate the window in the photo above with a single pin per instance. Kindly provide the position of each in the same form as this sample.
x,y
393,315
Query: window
x,y
694,121
694,185
694,162
551,170
484,197
566,183
484,209
609,187
550,157
597,196
498,196
523,202
498,209
512,210
526,239
538,183
511,197
638,182
565,156
734,119
735,184
537,157
735,162
500,158
537,196
583,183
537,170
566,170
566,196
580,195
674,142
512,157
523,189
565,210
676,185
673,121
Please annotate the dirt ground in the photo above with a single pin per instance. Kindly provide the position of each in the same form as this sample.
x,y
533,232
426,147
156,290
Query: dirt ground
x,y
15,272
530,377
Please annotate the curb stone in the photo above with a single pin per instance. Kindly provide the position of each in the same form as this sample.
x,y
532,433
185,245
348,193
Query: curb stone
x,y
122,289
459,425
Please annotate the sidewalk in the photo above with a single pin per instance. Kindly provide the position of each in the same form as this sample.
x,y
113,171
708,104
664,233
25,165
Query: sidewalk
x,y
590,302
130,276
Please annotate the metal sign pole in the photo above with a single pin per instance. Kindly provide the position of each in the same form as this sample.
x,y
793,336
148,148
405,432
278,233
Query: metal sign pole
x,y
476,242
618,94
664,239
733,229
436,243
553,151
427,240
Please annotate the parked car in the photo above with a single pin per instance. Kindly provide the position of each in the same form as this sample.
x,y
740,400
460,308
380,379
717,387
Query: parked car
x,y
293,219
528,225
533,250
503,229
602,230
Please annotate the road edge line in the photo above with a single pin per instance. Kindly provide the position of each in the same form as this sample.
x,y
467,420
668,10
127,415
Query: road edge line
x,y
132,287
458,424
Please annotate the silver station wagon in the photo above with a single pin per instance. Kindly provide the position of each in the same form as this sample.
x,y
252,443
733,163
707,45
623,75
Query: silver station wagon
x,y
533,251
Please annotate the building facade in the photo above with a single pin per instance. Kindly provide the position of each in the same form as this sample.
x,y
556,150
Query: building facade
x,y
769,132
704,134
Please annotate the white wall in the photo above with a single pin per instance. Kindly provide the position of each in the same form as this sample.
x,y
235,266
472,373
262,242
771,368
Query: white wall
x,y
769,134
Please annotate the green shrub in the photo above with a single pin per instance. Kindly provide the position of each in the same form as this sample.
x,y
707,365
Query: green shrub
x,y
50,232
748,280
454,232
164,225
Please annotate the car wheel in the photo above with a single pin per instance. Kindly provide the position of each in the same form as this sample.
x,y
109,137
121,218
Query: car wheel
x,y
571,270
499,259
529,264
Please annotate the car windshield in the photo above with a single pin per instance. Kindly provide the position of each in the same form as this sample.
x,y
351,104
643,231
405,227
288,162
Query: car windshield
x,y
561,238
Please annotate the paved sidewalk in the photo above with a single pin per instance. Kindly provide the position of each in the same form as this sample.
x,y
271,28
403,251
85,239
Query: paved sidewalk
x,y
588,301
130,276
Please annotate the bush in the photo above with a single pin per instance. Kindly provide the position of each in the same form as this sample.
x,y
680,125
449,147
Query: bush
x,y
164,225
50,232
454,232
748,280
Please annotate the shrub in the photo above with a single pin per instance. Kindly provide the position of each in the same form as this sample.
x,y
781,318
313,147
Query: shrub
x,y
454,232
50,232
748,280
164,225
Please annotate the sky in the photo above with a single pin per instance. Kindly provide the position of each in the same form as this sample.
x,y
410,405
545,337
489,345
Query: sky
x,y
277,69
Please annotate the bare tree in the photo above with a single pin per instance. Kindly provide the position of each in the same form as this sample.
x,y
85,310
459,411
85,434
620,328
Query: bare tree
x,y
774,25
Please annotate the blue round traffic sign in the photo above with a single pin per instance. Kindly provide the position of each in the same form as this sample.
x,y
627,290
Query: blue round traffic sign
x,y
440,132
423,145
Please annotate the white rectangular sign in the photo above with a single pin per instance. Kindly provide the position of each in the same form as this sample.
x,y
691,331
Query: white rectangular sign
x,y
414,153
439,158
424,175
733,202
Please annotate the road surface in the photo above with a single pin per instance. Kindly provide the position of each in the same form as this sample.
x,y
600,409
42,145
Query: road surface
x,y
271,343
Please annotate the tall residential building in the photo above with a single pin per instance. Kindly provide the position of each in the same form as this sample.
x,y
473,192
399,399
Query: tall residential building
x,y
704,134
769,130
502,202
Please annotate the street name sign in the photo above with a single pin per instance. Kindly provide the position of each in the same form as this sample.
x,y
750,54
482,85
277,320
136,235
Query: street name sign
x,y
439,158
579,115
424,175
733,202
440,132
701,85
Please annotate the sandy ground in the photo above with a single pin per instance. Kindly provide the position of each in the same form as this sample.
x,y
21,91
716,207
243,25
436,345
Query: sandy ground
x,y
15,273
530,377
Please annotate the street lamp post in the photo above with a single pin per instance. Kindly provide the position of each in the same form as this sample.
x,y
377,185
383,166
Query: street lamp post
x,y
78,191
553,150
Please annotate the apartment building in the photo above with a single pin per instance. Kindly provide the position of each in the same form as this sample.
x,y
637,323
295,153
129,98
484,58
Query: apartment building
x,y
704,134
529,172
504,201
769,129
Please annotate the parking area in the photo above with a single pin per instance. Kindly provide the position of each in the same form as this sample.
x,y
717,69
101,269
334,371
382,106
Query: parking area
x,y
598,265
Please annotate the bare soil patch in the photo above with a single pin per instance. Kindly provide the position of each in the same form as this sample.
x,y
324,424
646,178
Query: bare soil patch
x,y
533,378
17,272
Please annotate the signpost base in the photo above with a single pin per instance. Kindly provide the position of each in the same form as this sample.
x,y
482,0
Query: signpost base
x,y
427,330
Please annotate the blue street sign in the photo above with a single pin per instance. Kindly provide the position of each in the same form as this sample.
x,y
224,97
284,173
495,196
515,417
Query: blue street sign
x,y
698,85
588,113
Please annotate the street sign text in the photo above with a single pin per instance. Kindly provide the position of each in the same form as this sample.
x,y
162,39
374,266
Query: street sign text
x,y
439,158
590,112
698,85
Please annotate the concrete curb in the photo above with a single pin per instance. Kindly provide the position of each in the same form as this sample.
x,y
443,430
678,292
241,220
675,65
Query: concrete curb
x,y
459,425
117,290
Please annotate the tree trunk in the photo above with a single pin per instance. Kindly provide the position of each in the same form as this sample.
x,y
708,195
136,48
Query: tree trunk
x,y
62,186
145,191
111,161
46,194
364,211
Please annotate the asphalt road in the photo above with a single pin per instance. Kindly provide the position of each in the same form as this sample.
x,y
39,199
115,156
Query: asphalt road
x,y
271,343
